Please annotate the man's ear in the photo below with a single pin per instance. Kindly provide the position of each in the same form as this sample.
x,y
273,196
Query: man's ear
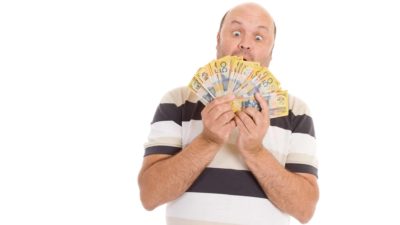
x,y
218,39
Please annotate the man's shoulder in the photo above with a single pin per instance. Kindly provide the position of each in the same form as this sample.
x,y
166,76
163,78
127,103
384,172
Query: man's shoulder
x,y
179,96
298,106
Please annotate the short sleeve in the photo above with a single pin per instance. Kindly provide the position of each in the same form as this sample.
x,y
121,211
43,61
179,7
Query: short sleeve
x,y
166,128
301,156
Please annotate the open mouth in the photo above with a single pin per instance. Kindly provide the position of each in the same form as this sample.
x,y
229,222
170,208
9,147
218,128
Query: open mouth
x,y
244,57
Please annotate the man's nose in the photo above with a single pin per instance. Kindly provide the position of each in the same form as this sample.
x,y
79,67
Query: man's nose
x,y
245,45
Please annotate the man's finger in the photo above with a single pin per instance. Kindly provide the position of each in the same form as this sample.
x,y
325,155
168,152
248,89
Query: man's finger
x,y
263,104
218,101
255,115
219,110
246,120
240,125
225,117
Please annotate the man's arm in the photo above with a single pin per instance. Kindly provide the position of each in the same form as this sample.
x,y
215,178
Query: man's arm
x,y
164,178
294,193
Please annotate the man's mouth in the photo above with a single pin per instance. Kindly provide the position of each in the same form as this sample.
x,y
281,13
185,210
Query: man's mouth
x,y
245,57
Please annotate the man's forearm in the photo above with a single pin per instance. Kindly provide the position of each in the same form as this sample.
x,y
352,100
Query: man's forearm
x,y
290,192
168,178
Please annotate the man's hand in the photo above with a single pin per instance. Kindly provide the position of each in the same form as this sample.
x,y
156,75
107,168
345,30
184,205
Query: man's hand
x,y
253,126
163,178
218,120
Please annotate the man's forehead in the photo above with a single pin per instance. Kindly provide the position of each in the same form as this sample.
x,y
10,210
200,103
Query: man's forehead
x,y
255,22
245,15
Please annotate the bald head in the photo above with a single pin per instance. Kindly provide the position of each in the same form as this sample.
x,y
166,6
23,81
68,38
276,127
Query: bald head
x,y
248,31
249,6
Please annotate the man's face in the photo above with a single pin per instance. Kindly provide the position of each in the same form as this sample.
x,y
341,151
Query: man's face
x,y
247,31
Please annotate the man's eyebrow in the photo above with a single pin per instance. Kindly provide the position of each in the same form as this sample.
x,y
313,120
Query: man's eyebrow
x,y
235,21
263,27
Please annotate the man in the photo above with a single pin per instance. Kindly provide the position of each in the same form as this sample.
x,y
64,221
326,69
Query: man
x,y
214,166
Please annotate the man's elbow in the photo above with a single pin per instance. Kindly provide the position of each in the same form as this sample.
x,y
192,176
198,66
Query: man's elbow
x,y
305,218
147,202
146,193
307,207
306,214
148,207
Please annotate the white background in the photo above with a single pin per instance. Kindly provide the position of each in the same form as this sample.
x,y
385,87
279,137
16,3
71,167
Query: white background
x,y
80,81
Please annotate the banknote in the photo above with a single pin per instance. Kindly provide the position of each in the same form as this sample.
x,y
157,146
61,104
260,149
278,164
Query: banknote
x,y
203,76
204,96
277,103
232,74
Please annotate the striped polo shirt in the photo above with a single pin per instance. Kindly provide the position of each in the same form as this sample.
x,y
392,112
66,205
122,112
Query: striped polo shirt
x,y
226,192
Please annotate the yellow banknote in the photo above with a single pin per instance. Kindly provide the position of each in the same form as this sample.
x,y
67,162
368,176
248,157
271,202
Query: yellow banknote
x,y
278,103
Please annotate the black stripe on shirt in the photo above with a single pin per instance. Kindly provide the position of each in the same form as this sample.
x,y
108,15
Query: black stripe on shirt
x,y
301,168
302,124
185,112
227,181
295,123
161,150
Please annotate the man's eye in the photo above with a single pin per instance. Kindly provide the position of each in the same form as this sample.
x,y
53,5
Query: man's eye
x,y
236,33
259,38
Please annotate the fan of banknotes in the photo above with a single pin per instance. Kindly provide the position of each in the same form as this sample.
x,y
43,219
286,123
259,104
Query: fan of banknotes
x,y
231,74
